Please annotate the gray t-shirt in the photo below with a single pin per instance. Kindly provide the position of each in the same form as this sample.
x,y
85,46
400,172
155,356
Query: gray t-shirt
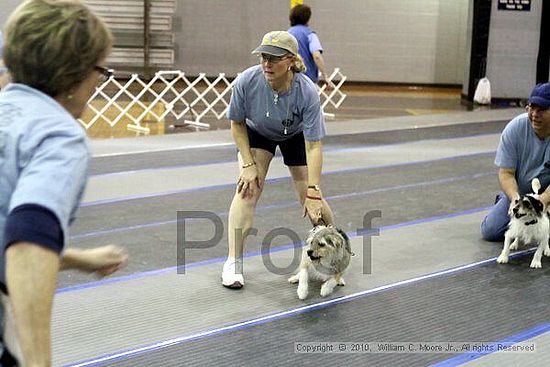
x,y
521,149
271,114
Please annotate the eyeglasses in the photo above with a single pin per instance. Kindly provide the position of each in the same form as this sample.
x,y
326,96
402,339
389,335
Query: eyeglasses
x,y
105,72
272,59
535,108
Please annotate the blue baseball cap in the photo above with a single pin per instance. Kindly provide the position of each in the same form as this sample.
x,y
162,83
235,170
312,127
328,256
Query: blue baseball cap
x,y
540,95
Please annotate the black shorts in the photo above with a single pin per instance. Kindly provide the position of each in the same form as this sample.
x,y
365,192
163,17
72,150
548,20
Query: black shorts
x,y
292,149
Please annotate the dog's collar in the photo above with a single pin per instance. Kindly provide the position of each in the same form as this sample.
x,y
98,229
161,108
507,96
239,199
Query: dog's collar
x,y
534,221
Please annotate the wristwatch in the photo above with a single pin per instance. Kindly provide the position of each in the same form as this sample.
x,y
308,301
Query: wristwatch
x,y
314,187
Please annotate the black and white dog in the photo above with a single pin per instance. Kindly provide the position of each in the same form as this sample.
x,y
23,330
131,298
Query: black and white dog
x,y
529,224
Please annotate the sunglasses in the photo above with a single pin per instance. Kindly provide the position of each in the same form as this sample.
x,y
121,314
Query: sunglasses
x,y
272,59
105,72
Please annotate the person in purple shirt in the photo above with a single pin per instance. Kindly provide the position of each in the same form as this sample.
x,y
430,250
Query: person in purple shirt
x,y
309,45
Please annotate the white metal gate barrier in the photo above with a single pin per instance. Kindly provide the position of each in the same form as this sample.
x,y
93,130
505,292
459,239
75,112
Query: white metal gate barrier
x,y
172,93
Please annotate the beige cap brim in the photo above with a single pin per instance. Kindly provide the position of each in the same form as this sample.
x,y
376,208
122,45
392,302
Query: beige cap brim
x,y
271,50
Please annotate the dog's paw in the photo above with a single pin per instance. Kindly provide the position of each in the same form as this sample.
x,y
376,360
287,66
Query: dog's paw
x,y
547,251
293,279
302,292
535,264
326,289
325,292
341,282
502,259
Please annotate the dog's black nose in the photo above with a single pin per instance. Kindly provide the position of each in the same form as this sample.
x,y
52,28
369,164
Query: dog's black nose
x,y
515,210
309,252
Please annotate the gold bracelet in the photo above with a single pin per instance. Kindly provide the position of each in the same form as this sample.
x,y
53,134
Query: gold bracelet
x,y
248,164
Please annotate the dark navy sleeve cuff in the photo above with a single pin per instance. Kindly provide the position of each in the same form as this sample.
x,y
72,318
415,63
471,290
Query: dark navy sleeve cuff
x,y
35,224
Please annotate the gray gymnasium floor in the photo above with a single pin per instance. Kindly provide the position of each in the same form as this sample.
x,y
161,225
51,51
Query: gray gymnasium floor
x,y
426,276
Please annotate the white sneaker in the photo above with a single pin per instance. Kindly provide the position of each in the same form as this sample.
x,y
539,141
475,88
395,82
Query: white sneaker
x,y
232,276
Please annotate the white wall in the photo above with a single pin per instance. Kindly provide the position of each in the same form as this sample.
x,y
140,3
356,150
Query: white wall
x,y
421,41
6,7
403,41
513,49
418,41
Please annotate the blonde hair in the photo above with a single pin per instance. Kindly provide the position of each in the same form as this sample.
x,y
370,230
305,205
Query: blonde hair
x,y
53,45
298,65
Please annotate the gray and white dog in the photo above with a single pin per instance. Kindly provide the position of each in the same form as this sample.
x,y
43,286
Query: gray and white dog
x,y
326,256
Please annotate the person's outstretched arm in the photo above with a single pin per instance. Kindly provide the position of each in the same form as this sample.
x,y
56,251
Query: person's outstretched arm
x,y
320,62
31,277
313,203
103,260
248,182
508,183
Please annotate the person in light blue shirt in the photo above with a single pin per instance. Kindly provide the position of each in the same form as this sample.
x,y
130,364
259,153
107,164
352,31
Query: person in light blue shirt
x,y
309,45
274,105
44,159
522,155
